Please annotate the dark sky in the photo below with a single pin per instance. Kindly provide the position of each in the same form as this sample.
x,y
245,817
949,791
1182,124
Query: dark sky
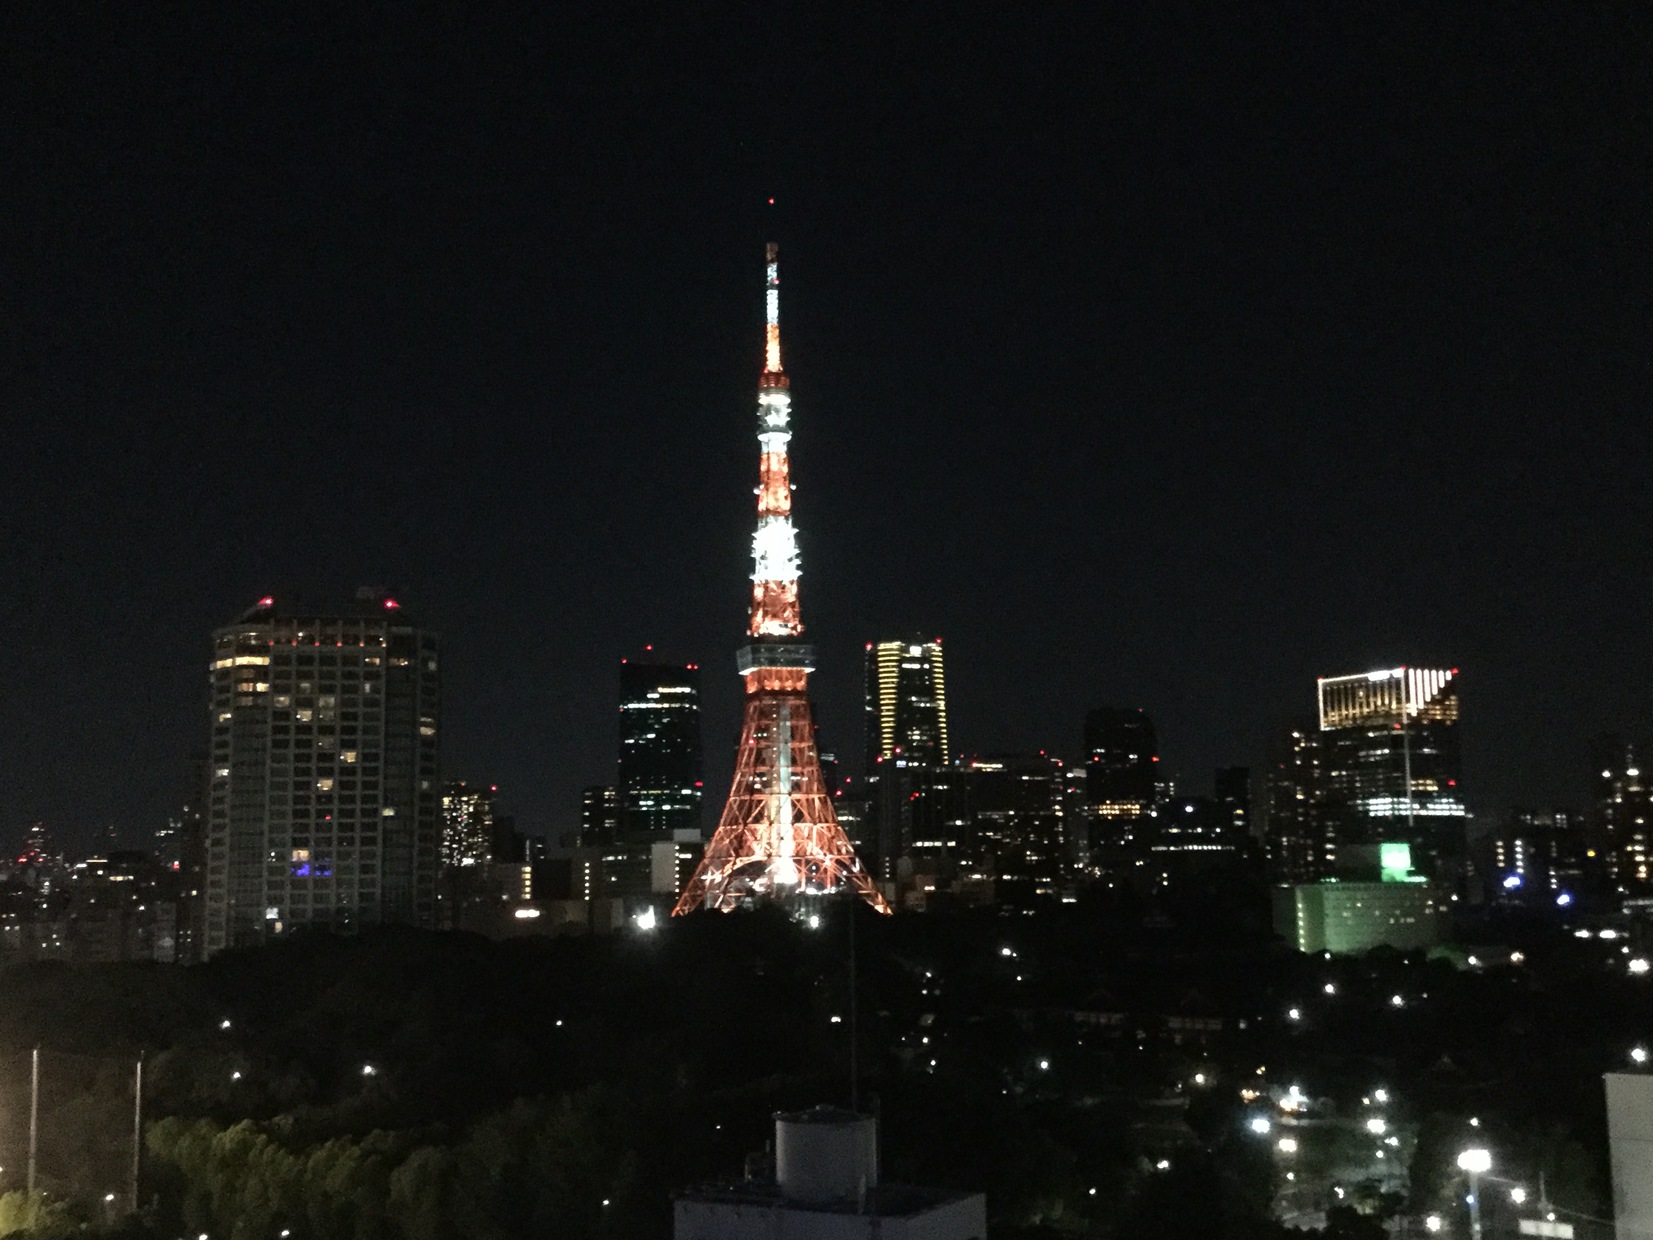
x,y
1153,358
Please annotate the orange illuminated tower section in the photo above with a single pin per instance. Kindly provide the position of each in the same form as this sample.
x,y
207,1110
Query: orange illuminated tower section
x,y
778,838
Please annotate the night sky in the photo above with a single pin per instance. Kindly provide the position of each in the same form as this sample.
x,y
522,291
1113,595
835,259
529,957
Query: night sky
x,y
1149,358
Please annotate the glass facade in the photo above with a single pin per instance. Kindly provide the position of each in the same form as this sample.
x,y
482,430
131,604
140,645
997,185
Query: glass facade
x,y
660,777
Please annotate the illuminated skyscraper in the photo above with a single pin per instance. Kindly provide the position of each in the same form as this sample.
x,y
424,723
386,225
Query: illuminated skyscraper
x,y
324,806
907,747
659,785
1391,763
467,824
778,836
906,703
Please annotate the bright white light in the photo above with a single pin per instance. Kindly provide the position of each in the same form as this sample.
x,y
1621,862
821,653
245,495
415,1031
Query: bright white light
x,y
837,1020
1382,1095
1005,951
814,921
526,914
1329,988
1260,1126
775,550
1474,961
223,1024
1396,1001
1475,1161
1375,1125
1608,935
1291,1175
1564,899
1044,1065
1638,1054
1199,1078
1163,1164
1294,1014
1518,1194
1338,1191
1474,1121
645,920
235,1076
1639,965
369,1070
1288,1145
1433,1222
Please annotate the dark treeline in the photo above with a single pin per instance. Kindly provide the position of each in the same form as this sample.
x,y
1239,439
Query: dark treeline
x,y
411,1085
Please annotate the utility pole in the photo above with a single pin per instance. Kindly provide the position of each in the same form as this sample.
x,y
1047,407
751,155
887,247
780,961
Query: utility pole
x,y
34,1113
137,1127
854,1052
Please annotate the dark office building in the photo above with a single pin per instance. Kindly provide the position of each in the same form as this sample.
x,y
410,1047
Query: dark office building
x,y
599,816
1012,828
1121,773
660,778
324,805
1232,789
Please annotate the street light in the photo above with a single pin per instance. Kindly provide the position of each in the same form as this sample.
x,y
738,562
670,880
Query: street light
x,y
1260,1126
1475,1163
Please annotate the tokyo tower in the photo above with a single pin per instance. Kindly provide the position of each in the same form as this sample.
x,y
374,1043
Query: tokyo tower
x,y
779,837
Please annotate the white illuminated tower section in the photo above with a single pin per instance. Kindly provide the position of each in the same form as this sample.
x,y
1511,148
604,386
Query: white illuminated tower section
x,y
778,837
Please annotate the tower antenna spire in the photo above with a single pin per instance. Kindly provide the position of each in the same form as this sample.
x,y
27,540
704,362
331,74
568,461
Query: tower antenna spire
x,y
779,835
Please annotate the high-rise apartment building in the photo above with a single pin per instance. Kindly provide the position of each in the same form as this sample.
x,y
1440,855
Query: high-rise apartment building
x,y
1537,854
1121,772
660,780
1390,763
467,824
1623,795
1300,842
906,703
324,806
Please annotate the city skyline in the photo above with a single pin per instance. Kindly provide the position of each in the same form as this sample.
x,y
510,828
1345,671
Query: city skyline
x,y
1170,360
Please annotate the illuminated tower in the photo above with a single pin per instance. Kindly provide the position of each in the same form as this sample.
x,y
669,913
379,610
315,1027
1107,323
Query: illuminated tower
x,y
778,836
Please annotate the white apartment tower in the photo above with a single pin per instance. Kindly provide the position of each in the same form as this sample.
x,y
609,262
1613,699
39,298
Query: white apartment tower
x,y
325,804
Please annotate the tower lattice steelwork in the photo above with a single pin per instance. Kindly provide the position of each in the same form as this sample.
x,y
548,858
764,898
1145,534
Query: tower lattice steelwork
x,y
778,836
